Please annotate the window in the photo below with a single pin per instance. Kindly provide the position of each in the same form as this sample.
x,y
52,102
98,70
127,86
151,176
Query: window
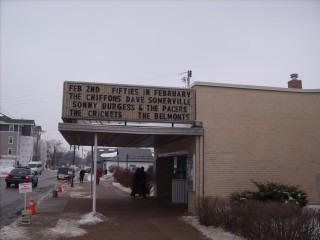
x,y
11,128
9,151
10,140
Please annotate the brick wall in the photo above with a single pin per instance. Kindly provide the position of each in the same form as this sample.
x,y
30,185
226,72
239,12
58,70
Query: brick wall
x,y
261,135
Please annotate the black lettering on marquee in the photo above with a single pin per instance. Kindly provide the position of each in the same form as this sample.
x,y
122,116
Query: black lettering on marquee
x,y
153,108
105,114
75,96
95,89
75,113
75,88
144,116
128,102
125,90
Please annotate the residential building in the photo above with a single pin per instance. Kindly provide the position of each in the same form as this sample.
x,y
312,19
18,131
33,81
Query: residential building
x,y
16,141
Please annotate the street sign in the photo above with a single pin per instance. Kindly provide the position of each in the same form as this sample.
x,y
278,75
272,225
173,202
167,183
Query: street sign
x,y
25,187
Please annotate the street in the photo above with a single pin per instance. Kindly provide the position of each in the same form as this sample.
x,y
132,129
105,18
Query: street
x,y
12,202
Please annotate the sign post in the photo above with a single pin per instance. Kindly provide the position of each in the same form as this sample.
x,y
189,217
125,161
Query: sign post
x,y
25,188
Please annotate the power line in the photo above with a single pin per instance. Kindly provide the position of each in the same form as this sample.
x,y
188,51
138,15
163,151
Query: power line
x,y
154,78
29,97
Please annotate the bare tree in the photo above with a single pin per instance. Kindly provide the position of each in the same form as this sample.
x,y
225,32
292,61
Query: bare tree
x,y
53,149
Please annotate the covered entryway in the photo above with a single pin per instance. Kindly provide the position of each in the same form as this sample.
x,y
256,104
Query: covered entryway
x,y
114,115
173,146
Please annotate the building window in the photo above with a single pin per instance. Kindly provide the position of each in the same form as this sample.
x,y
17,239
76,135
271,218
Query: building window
x,y
11,128
10,140
9,151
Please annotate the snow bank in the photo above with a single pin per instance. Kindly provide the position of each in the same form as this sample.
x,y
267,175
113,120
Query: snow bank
x,y
5,170
118,185
65,228
13,232
91,218
209,231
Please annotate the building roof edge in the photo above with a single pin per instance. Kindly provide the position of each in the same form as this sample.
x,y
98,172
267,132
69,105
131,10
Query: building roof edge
x,y
240,86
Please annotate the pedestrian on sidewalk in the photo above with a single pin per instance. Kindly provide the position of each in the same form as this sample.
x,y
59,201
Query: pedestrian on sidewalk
x,y
82,172
98,175
142,183
135,183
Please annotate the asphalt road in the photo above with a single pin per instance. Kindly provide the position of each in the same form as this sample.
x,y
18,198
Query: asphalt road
x,y
12,202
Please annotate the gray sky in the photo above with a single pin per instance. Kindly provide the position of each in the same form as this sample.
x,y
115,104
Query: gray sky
x,y
44,43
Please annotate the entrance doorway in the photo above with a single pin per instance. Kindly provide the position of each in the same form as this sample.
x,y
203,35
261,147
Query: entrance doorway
x,y
172,178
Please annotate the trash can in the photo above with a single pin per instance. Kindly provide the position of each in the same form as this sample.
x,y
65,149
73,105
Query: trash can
x,y
54,193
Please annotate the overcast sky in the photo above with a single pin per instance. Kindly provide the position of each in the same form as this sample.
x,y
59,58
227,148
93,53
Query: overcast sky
x,y
44,43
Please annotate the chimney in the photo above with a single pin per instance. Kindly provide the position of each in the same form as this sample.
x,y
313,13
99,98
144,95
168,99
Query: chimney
x,y
295,82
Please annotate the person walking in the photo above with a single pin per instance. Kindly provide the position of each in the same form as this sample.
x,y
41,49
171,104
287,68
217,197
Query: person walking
x,y
135,183
142,182
98,175
82,172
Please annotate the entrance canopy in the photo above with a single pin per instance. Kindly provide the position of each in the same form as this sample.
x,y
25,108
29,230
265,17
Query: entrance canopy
x,y
82,134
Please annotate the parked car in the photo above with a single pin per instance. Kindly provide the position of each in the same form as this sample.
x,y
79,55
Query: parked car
x,y
36,167
64,173
21,175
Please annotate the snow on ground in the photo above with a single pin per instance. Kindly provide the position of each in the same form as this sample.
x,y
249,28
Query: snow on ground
x,y
91,218
118,185
5,170
209,231
128,190
13,232
70,226
65,228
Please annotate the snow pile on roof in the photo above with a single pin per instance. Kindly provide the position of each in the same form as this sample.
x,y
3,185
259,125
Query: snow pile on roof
x,y
209,231
91,218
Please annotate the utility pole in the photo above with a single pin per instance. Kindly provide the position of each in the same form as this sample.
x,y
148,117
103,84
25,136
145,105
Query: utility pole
x,y
74,157
187,79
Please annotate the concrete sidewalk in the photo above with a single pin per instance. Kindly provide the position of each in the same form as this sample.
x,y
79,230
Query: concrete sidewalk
x,y
123,217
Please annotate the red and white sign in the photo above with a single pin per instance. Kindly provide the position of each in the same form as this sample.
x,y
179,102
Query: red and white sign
x,y
25,187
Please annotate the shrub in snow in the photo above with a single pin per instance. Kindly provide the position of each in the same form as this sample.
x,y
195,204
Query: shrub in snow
x,y
275,192
260,220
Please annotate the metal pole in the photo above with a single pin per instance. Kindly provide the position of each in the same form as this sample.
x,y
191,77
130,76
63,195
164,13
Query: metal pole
x,y
95,172
74,156
91,194
127,161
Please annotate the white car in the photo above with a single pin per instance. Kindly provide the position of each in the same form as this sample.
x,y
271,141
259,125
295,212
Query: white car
x,y
36,167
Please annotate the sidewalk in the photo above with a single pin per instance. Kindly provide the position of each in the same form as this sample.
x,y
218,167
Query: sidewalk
x,y
69,217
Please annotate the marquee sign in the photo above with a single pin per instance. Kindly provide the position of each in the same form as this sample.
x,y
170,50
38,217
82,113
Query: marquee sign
x,y
104,102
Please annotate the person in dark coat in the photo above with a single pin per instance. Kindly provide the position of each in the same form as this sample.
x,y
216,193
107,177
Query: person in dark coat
x,y
82,172
135,183
142,182
98,175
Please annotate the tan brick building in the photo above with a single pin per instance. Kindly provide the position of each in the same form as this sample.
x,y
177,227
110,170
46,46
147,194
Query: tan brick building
x,y
239,133
253,133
